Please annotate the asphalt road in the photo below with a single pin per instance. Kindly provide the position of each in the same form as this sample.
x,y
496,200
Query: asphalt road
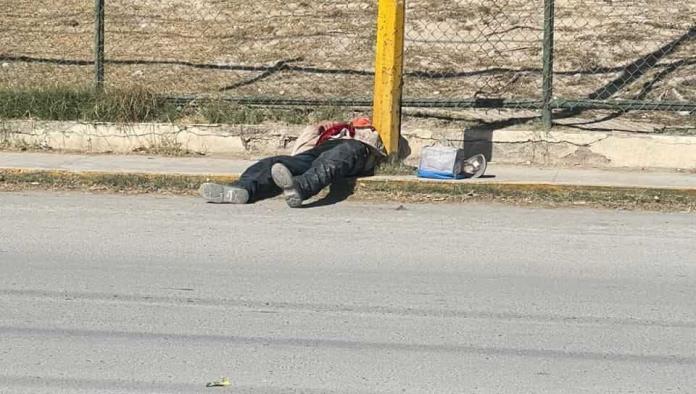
x,y
104,293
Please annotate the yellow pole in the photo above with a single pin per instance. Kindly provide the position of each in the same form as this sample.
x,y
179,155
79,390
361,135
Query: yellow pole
x,y
386,107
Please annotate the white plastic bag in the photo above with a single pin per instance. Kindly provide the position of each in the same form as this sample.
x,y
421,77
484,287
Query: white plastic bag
x,y
441,162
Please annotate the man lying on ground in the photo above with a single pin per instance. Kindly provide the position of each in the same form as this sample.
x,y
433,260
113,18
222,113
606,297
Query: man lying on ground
x,y
321,156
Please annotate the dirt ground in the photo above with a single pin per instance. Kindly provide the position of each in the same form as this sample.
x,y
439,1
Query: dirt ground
x,y
319,49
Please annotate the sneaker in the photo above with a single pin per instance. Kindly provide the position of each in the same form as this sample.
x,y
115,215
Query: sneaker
x,y
221,194
475,166
283,179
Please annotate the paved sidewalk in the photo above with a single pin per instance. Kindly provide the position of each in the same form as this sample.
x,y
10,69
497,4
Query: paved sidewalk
x,y
500,174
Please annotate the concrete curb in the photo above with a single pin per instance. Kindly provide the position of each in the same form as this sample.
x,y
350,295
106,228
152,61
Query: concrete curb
x,y
563,147
377,188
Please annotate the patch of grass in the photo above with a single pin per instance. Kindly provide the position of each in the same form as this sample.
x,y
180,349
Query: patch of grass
x,y
54,104
395,168
533,194
220,111
108,182
58,103
142,105
410,191
129,106
224,112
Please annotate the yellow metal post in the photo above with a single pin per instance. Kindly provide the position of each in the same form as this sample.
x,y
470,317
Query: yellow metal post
x,y
389,60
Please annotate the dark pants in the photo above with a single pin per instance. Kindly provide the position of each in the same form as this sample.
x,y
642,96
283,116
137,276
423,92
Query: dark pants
x,y
312,170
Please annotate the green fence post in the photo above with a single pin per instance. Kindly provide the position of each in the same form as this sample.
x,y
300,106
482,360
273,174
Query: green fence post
x,y
549,16
99,45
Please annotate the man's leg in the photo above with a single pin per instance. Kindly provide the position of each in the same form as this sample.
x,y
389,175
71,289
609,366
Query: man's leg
x,y
337,159
256,183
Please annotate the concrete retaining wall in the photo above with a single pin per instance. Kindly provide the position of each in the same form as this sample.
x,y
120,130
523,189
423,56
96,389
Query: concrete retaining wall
x,y
556,148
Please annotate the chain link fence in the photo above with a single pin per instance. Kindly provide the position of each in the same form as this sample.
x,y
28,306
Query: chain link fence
x,y
614,55
608,54
45,43
468,53
270,49
639,51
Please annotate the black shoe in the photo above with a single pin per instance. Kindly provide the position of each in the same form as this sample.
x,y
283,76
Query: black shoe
x,y
283,179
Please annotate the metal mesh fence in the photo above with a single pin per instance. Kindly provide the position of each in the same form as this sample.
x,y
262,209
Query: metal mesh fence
x,y
639,53
45,43
640,50
465,50
267,48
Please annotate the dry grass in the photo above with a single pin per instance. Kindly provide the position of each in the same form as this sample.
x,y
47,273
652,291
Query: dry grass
x,y
458,49
141,105
366,189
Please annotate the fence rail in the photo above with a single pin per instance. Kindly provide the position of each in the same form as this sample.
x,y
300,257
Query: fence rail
x,y
546,55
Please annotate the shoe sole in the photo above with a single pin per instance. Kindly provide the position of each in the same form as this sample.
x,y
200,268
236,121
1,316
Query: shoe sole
x,y
481,170
282,177
220,194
